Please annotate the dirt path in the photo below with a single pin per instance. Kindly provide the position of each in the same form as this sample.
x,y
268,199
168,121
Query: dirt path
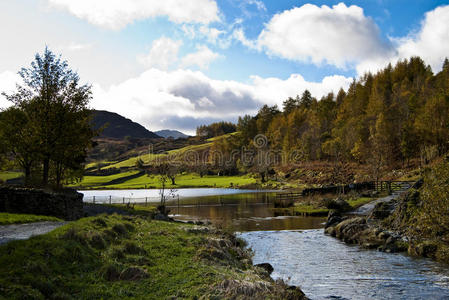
x,y
367,208
24,231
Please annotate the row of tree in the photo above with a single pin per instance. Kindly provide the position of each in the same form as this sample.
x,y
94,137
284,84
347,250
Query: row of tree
x,y
215,129
47,130
384,119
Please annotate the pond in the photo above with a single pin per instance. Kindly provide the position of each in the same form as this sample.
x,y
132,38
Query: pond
x,y
324,267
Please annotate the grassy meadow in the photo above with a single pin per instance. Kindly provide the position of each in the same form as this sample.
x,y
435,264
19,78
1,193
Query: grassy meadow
x,y
124,257
144,181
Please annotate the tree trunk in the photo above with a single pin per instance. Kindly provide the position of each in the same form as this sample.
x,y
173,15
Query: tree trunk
x,y
46,170
27,174
173,181
262,175
58,176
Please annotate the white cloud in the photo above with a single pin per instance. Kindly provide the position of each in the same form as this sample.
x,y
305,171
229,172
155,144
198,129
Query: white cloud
x,y
8,82
78,46
116,14
202,58
212,34
343,36
274,90
259,4
431,43
239,35
163,53
184,99
338,35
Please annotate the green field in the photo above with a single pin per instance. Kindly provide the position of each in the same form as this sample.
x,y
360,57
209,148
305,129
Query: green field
x,y
182,181
6,175
131,257
7,218
149,157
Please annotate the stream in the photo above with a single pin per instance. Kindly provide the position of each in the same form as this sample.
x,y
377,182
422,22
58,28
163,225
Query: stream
x,y
324,267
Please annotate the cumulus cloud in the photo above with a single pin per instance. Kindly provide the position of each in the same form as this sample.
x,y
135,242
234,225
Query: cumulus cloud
x,y
431,42
202,58
338,35
184,99
343,36
116,14
163,53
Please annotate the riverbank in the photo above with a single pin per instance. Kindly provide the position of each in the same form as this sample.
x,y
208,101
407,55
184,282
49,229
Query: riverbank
x,y
134,257
417,222
319,208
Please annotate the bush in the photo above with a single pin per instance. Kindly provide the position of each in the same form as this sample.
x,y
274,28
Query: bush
x,y
120,229
97,241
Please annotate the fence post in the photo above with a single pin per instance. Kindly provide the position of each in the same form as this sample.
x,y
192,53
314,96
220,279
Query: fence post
x,y
178,204
146,201
94,199
110,199
123,200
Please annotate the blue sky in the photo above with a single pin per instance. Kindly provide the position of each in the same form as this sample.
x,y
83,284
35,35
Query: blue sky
x,y
178,64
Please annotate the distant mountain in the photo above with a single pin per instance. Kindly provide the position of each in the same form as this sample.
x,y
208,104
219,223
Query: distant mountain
x,y
171,133
118,126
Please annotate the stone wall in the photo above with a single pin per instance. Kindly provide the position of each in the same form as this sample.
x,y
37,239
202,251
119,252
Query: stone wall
x,y
66,205
333,189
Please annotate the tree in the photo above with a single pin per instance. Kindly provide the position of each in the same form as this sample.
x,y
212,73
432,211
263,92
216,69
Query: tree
x,y
290,104
165,172
306,99
18,140
54,104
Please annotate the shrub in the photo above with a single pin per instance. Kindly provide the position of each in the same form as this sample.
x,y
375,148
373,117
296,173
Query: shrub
x,y
97,241
132,248
120,229
100,222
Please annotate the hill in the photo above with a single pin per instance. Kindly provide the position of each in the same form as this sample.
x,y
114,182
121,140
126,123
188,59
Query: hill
x,y
119,127
166,133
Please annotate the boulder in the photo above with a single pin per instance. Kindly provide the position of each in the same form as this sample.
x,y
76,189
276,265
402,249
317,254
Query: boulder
x,y
338,204
161,217
382,210
348,229
333,218
267,267
330,231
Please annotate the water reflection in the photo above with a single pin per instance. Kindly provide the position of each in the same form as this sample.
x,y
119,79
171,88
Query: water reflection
x,y
240,212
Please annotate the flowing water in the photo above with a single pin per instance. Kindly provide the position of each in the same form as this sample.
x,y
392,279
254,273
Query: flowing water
x,y
324,267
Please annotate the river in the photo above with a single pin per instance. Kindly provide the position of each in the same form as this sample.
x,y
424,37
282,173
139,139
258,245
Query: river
x,y
324,267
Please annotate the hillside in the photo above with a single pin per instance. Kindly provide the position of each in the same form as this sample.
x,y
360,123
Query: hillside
x,y
119,127
166,133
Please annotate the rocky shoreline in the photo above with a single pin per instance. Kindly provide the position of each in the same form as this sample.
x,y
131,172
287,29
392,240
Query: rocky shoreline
x,y
366,231
383,228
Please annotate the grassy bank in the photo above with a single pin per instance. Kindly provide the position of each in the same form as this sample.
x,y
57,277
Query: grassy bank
x,y
133,257
129,180
7,218
423,215
311,208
